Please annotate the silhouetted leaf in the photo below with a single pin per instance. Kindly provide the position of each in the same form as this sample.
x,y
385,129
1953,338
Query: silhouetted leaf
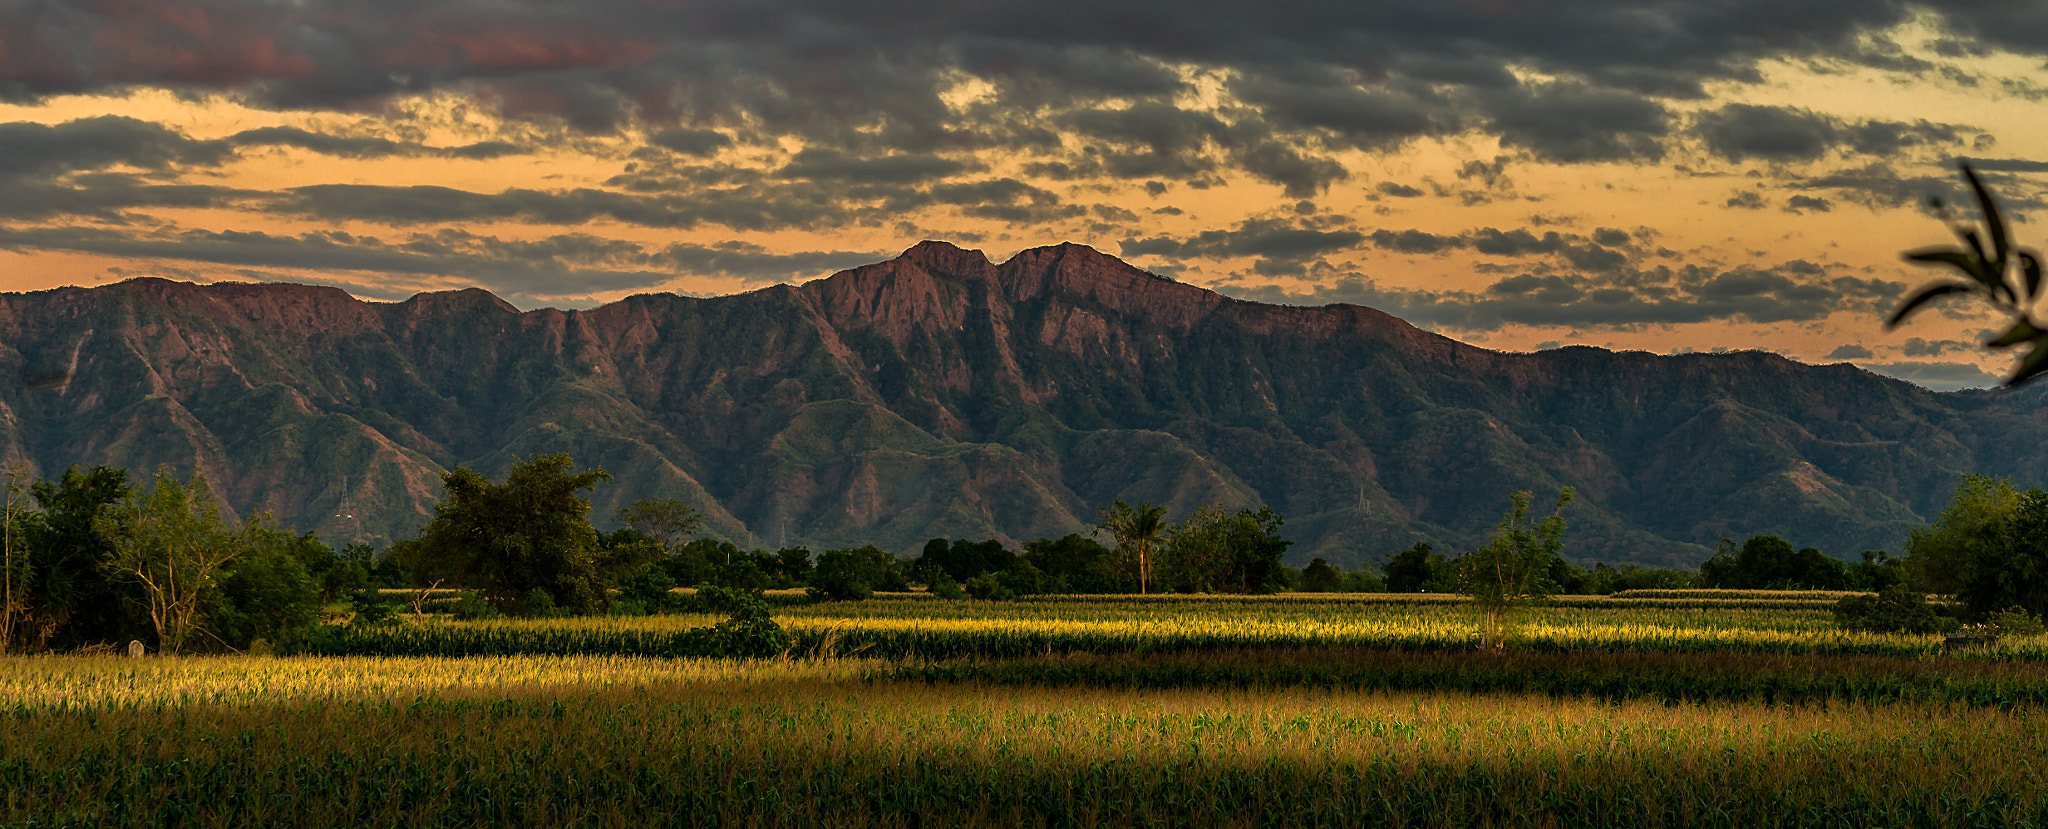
x,y
2022,330
2035,363
2030,268
2000,245
1920,298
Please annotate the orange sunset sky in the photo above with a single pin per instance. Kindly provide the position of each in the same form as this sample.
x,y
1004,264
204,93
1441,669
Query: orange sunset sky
x,y
1518,175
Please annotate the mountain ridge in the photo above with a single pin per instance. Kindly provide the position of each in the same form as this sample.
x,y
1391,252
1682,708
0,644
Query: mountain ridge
x,y
942,394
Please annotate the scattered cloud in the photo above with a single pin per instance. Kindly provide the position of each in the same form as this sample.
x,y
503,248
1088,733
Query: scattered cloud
x,y
1936,375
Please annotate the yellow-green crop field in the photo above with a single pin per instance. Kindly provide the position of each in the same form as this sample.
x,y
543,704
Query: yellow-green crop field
x,y
1065,713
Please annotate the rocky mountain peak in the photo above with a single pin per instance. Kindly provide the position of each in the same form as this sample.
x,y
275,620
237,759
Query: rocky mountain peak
x,y
948,259
939,394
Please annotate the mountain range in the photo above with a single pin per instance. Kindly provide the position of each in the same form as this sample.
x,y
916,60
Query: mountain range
x,y
941,394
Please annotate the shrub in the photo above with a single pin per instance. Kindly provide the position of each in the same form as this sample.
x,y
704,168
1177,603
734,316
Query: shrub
x,y
1896,610
989,588
944,587
470,606
2015,621
370,607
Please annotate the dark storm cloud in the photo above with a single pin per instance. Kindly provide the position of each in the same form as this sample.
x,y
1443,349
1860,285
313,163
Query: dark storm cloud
x,y
1850,352
1741,132
867,80
567,263
1626,299
108,196
1573,122
1367,118
1280,246
685,199
335,145
746,208
691,142
38,150
1801,203
1879,185
755,263
830,165
1578,252
353,146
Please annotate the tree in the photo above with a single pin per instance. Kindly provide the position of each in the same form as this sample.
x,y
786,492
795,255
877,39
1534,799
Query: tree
x,y
1075,563
1513,568
665,520
962,559
172,543
1136,530
1990,275
1413,569
530,533
268,589
1319,577
1219,550
1942,556
17,524
67,598
853,574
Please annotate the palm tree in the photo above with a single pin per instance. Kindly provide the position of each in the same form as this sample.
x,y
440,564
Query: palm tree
x,y
1135,529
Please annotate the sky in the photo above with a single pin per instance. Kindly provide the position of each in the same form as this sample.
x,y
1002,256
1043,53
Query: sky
x,y
1661,176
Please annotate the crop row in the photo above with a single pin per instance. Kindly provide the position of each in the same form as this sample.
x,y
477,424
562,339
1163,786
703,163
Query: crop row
x,y
949,637
791,743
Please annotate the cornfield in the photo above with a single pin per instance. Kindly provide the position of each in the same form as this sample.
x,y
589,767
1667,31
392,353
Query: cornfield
x,y
1080,711
583,741
948,630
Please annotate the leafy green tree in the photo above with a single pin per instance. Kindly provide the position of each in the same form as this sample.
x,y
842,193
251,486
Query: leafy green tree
x,y
1943,556
173,544
71,600
1414,569
268,589
1513,568
1320,577
523,539
1136,530
962,559
18,525
854,574
1231,551
795,564
1075,563
1877,571
668,522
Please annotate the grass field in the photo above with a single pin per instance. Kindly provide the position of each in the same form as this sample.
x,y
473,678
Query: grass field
x,y
1195,713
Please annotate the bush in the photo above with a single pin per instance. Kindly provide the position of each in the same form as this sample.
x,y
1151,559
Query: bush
x,y
751,632
469,606
370,607
2015,621
1896,610
989,588
944,587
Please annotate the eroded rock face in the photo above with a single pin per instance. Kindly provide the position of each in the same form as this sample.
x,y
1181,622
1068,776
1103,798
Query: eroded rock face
x,y
941,394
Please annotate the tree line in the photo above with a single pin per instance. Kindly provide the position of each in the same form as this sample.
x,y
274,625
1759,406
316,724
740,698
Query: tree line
x,y
93,558
90,559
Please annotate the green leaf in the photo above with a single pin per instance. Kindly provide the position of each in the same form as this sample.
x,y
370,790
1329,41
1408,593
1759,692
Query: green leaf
x,y
2022,330
1921,297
